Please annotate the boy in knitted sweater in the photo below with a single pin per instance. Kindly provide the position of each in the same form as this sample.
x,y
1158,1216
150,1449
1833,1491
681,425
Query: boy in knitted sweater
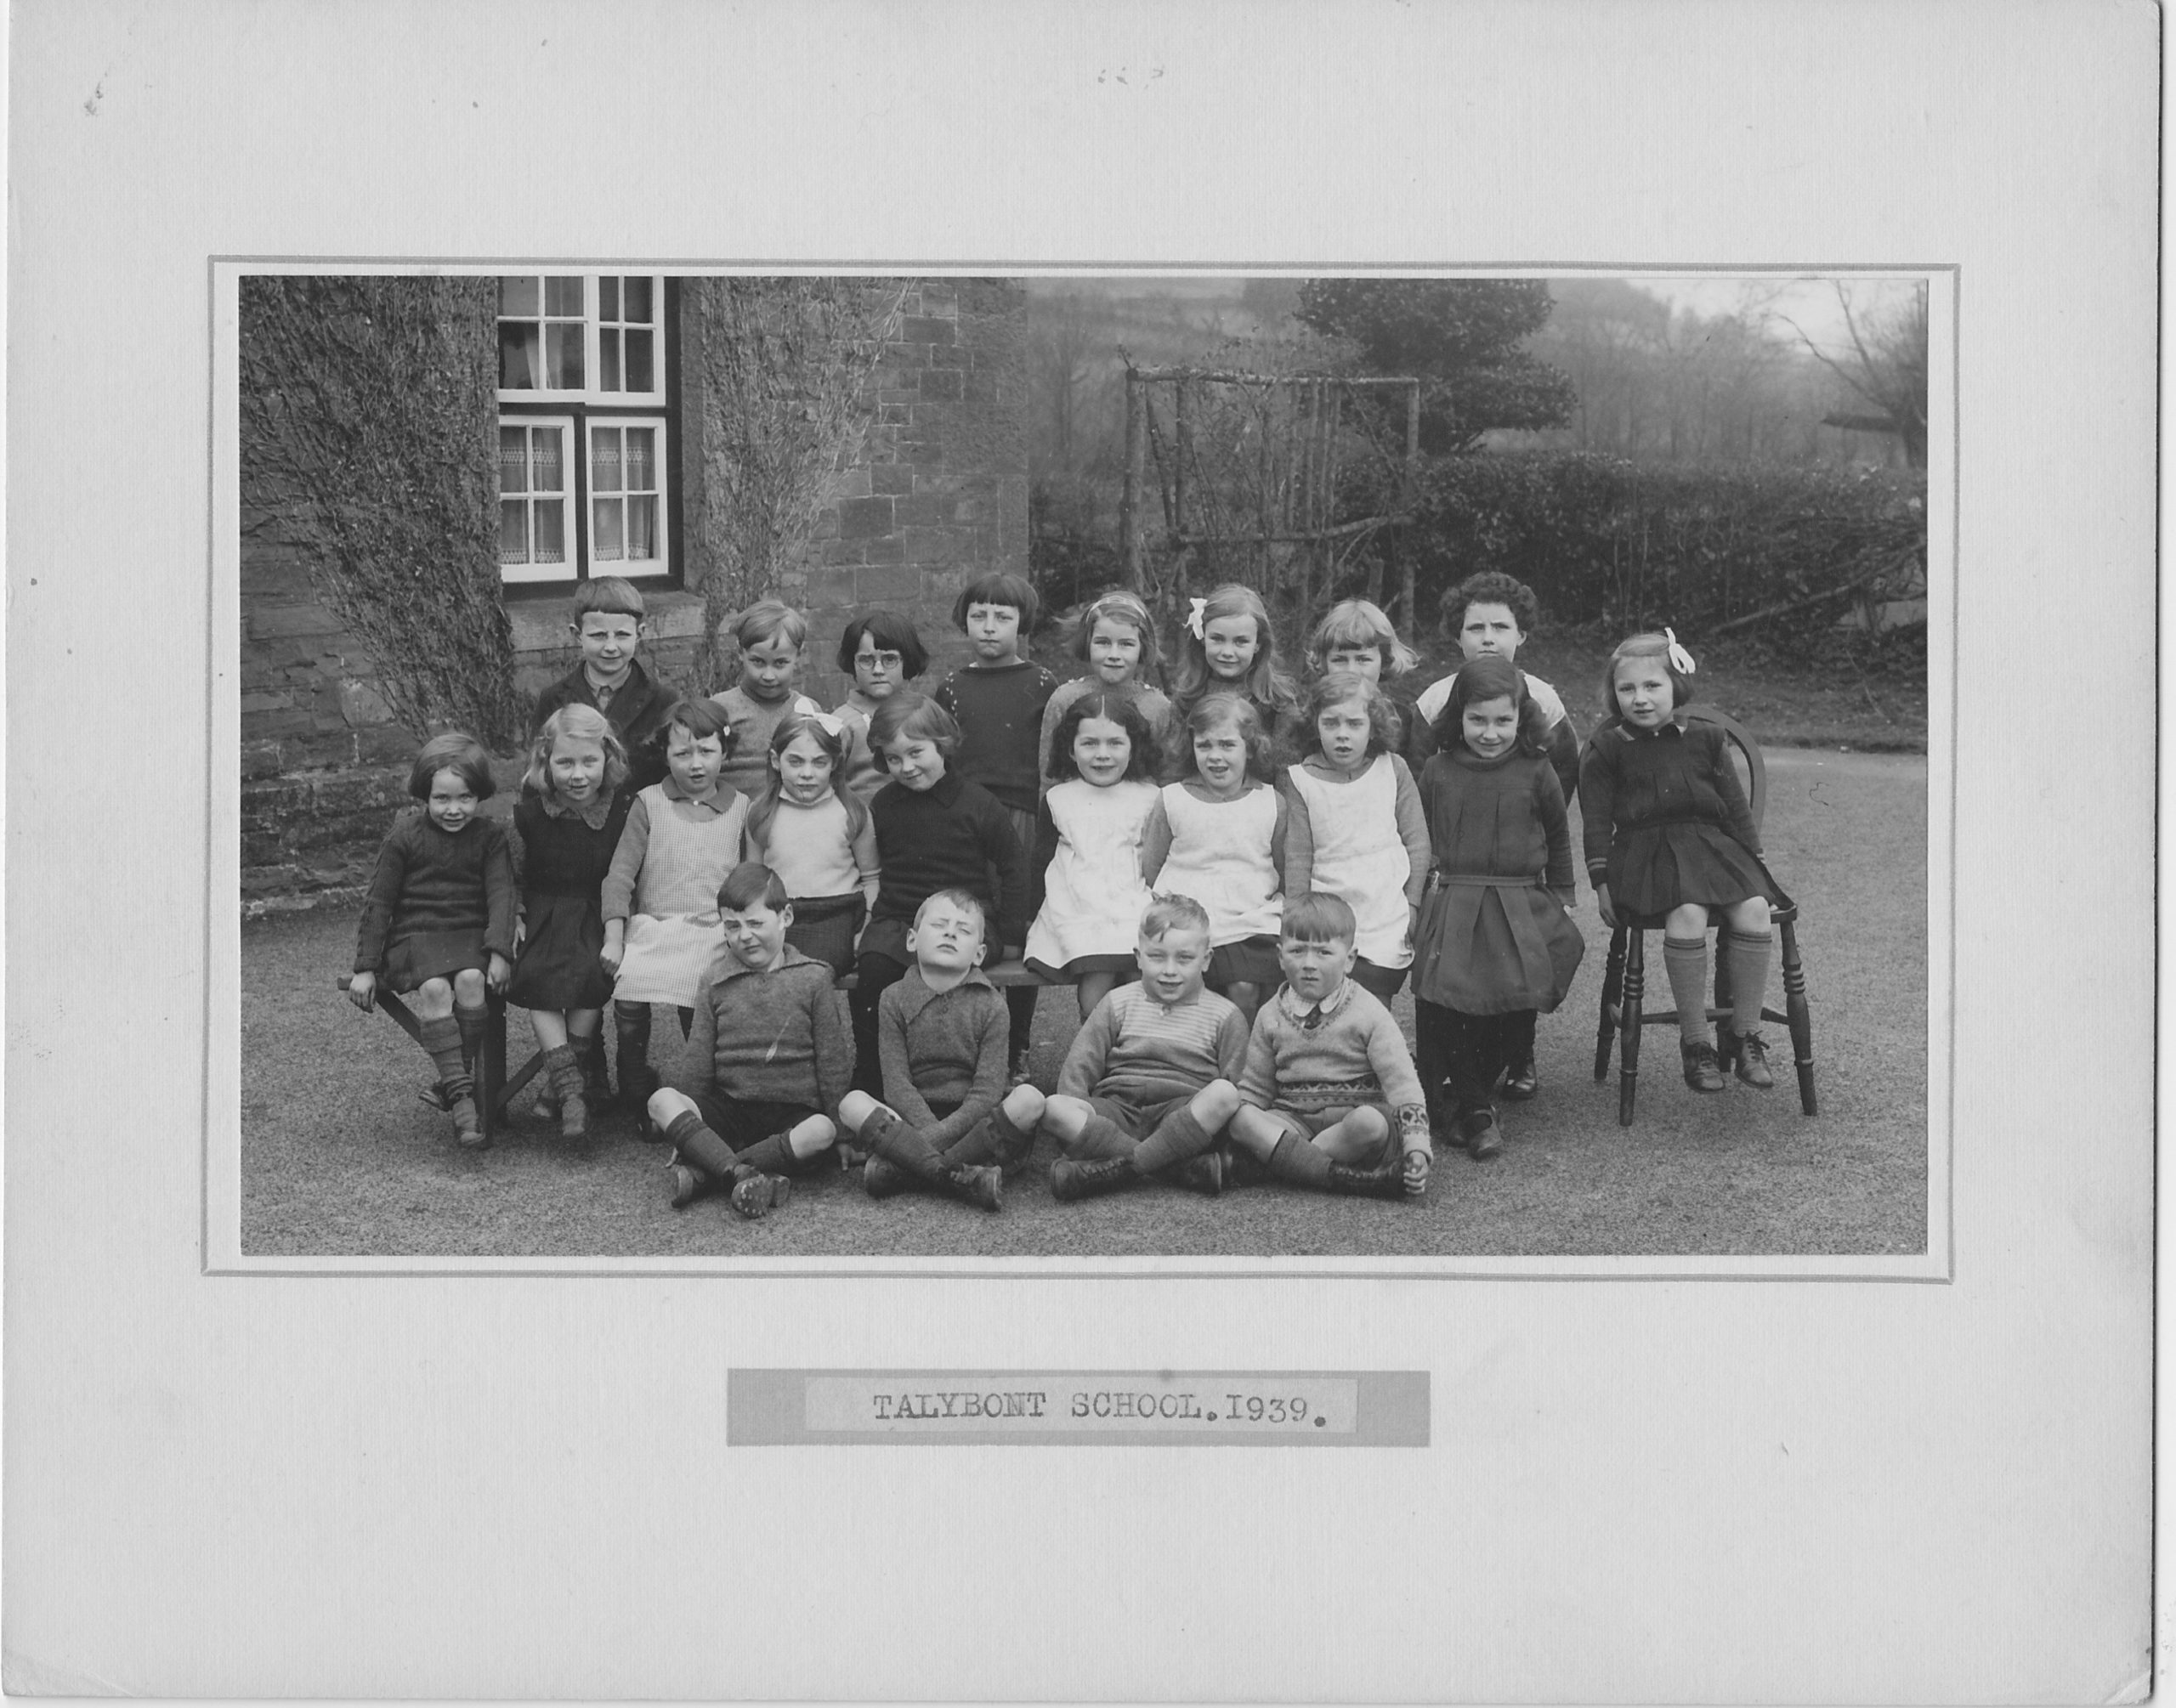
x,y
1146,1086
1328,1093
766,1061
941,1037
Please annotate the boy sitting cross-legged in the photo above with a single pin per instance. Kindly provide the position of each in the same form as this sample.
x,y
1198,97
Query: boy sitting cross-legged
x,y
1330,1094
768,1055
941,1037
1148,1085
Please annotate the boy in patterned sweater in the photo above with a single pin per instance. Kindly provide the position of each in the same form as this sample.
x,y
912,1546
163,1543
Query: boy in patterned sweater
x,y
949,1122
1330,1096
766,1064
1146,1086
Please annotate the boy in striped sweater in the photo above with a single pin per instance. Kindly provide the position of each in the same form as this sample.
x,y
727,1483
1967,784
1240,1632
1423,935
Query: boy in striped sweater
x,y
1146,1086
1330,1096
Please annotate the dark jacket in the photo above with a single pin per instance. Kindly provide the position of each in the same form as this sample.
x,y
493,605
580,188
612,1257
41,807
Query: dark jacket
x,y
637,714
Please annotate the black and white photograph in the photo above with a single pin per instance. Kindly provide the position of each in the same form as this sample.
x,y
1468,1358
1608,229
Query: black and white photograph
x,y
1317,830
1069,668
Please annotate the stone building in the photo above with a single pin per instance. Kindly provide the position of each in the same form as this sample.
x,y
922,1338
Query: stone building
x,y
600,415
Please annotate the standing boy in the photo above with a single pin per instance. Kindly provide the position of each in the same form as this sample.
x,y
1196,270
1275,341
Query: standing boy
x,y
609,626
941,1031
998,701
767,1060
1146,1086
1330,1097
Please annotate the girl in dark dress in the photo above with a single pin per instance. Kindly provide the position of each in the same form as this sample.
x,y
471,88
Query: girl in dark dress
x,y
1496,944
1669,832
569,822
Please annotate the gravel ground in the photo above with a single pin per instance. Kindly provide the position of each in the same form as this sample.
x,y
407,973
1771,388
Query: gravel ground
x,y
339,1156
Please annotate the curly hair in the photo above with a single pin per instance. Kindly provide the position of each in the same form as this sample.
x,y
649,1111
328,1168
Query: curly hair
x,y
583,723
1385,728
1120,710
1491,587
1644,647
1491,678
1214,712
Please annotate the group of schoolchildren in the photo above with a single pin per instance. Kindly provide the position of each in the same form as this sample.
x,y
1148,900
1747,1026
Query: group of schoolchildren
x,y
1237,873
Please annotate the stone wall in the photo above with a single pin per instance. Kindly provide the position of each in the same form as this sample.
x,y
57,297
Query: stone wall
x,y
937,493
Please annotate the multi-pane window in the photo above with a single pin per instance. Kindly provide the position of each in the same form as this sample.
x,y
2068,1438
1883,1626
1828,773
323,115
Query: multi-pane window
x,y
583,438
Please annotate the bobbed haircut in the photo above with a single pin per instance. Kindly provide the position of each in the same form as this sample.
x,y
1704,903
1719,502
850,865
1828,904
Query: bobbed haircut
x,y
1491,587
750,884
1119,607
1654,647
1000,587
612,594
583,723
1265,683
1490,677
1358,623
1120,709
887,631
970,905
1167,913
1336,689
767,619
1221,710
458,752
1318,917
702,719
912,717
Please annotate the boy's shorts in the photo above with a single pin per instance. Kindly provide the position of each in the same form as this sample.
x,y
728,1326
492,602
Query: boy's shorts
x,y
741,1123
1137,1120
1307,1123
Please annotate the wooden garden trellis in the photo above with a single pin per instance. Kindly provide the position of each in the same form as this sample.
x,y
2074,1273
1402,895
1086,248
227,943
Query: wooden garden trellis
x,y
1296,484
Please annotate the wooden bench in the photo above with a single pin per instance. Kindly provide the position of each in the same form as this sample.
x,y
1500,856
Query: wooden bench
x,y
496,1089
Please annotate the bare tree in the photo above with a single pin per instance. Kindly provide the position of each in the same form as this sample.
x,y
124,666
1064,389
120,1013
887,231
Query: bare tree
x,y
1886,369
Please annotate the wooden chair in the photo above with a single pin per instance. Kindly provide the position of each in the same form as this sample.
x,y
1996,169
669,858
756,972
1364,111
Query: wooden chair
x,y
496,1089
1624,978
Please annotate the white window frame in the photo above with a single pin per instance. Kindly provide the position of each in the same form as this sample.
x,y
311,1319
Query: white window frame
x,y
590,391
569,448
632,568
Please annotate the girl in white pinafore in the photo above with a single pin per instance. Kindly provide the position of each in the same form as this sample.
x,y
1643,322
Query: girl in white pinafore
x,y
1217,836
660,900
1084,879
1357,830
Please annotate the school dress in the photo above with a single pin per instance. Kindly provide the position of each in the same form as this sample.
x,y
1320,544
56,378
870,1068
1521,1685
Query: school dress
x,y
1491,939
1358,855
829,873
1092,893
1557,728
1665,820
1226,855
439,904
565,857
673,923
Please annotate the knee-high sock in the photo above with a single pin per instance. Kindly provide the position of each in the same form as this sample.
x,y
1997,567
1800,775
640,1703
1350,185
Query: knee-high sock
x,y
1100,1138
1430,1048
771,1155
1749,952
994,1139
700,1148
631,1021
470,1023
905,1147
1472,1061
1304,1164
1020,1005
442,1044
1685,960
1178,1136
1518,1037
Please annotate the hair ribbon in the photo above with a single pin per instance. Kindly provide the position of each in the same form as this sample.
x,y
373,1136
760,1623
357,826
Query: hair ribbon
x,y
1679,659
828,723
1195,608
